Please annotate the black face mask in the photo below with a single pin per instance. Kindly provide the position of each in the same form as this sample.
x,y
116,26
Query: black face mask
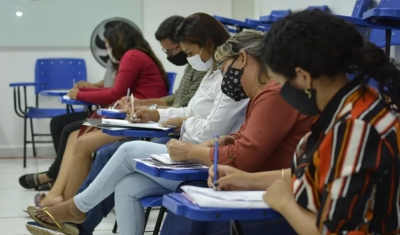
x,y
306,104
178,59
231,85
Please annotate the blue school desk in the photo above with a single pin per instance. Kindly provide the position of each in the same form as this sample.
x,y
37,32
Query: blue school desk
x,y
110,114
71,102
138,133
56,92
177,175
180,205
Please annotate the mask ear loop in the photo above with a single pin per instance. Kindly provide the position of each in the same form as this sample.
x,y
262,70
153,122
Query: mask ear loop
x,y
308,92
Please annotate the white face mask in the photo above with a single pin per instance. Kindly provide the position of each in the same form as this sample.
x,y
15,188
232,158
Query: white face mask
x,y
196,62
109,51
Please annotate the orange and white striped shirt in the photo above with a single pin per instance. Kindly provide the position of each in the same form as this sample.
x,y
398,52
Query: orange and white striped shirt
x,y
349,174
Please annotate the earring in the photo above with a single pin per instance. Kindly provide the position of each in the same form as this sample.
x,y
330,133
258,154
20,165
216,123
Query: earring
x,y
308,92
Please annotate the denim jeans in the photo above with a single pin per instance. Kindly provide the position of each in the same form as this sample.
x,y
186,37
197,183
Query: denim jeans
x,y
179,225
95,215
119,175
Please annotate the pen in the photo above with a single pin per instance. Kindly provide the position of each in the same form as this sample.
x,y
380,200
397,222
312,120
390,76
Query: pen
x,y
128,92
73,82
115,105
216,139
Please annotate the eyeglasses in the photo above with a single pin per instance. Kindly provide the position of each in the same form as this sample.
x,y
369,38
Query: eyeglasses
x,y
219,65
170,51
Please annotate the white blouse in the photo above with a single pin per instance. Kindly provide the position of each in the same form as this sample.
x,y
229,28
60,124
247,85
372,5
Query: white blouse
x,y
210,112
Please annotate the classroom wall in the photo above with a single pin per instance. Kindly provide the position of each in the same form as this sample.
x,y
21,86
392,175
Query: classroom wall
x,y
17,65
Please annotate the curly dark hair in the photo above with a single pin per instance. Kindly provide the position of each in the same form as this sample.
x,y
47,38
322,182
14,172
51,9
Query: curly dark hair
x,y
325,45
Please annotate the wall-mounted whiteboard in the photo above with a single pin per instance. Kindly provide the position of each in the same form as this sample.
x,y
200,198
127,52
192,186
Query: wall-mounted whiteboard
x,y
60,23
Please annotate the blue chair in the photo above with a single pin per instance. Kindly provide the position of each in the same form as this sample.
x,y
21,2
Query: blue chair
x,y
323,8
274,16
171,81
235,26
50,74
377,35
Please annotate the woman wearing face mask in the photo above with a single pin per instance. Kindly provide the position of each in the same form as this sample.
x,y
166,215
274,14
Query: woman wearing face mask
x,y
345,180
209,111
205,115
266,140
139,70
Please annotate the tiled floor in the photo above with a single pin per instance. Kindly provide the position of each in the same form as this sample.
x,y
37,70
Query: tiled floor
x,y
14,199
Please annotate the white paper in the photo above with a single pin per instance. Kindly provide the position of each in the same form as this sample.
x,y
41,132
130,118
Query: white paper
x,y
66,97
126,123
165,158
111,110
57,91
152,163
207,197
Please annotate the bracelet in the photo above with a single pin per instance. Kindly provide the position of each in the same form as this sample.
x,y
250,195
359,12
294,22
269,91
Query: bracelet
x,y
283,174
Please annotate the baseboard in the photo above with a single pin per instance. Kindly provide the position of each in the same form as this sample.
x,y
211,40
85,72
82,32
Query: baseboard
x,y
17,151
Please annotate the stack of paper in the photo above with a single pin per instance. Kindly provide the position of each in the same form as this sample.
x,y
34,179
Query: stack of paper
x,y
124,123
207,197
165,159
159,165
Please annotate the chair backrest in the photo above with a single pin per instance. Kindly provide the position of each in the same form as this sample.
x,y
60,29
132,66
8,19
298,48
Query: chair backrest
x,y
171,81
378,35
59,73
323,8
360,7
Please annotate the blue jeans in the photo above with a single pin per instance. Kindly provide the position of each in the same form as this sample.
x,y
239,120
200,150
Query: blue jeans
x,y
179,225
95,215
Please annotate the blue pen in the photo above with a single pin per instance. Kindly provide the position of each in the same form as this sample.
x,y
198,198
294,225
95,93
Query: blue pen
x,y
216,139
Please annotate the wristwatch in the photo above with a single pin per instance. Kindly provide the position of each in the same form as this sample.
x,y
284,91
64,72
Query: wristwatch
x,y
153,107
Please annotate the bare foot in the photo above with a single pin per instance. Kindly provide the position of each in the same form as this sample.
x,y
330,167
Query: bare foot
x,y
50,200
62,212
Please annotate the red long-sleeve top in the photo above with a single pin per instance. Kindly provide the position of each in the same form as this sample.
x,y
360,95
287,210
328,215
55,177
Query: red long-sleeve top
x,y
269,135
138,72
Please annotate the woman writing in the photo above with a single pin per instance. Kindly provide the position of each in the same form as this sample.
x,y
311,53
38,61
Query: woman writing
x,y
346,178
139,70
130,185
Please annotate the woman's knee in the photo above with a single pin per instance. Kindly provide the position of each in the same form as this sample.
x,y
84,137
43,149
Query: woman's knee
x,y
138,149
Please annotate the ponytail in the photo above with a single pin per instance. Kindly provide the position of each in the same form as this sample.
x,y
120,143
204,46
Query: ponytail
x,y
370,62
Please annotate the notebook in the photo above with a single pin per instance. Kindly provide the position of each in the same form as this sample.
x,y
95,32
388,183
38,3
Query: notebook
x,y
159,165
124,123
164,158
207,197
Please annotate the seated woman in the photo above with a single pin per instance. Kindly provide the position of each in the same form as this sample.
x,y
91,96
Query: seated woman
x,y
240,56
345,176
139,70
60,129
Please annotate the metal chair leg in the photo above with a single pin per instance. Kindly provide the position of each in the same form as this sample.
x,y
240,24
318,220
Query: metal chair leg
x,y
159,220
146,216
236,229
115,227
25,141
33,138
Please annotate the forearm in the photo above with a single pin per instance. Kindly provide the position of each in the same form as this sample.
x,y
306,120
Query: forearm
x,y
200,154
99,84
302,221
262,180
159,102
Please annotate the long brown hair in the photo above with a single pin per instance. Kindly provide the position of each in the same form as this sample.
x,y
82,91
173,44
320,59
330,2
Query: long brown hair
x,y
203,30
123,37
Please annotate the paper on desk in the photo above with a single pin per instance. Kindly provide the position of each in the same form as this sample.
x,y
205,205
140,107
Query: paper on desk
x,y
57,91
124,123
66,97
159,165
112,110
207,197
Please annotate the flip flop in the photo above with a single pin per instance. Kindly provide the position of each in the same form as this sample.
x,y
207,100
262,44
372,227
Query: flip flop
x,y
36,229
30,181
59,227
38,197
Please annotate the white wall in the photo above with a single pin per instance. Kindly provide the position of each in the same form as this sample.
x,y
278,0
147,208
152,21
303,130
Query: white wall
x,y
17,65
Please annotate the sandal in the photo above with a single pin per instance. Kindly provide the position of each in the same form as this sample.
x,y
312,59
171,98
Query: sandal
x,y
30,181
38,198
36,229
45,186
59,227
